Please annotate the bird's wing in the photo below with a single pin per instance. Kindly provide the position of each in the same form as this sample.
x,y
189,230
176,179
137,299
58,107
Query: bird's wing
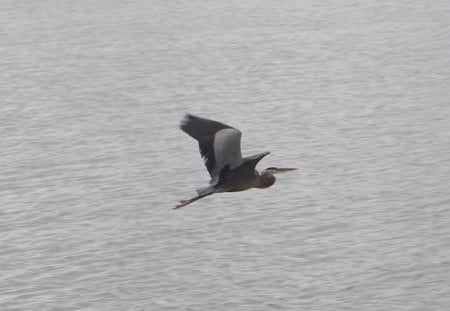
x,y
219,143
227,148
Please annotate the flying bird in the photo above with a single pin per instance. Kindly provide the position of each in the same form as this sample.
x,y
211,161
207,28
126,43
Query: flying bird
x,y
220,147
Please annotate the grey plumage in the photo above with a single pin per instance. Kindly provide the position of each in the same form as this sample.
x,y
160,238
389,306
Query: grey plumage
x,y
220,147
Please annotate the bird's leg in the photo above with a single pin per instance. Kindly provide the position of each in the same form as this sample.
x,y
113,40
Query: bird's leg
x,y
187,202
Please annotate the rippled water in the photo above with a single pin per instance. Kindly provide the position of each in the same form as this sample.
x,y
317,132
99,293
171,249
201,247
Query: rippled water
x,y
355,94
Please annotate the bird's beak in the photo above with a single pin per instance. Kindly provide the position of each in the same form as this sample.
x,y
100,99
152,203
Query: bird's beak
x,y
277,170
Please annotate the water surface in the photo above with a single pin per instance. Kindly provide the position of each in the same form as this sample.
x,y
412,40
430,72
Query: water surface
x,y
354,94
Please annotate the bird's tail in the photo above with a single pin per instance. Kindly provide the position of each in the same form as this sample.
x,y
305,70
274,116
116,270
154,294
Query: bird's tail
x,y
206,190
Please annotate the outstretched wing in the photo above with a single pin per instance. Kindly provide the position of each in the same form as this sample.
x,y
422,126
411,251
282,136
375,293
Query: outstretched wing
x,y
219,143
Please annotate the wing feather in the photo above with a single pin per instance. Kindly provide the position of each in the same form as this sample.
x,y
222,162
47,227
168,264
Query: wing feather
x,y
219,144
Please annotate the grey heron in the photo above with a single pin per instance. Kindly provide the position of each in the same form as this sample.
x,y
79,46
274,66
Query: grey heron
x,y
220,147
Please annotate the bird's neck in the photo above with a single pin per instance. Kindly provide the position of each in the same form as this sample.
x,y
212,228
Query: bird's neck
x,y
264,180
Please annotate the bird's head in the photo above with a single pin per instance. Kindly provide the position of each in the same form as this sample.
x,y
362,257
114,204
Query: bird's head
x,y
267,177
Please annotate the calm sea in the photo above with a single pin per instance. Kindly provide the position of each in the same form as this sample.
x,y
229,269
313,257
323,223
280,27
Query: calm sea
x,y
354,93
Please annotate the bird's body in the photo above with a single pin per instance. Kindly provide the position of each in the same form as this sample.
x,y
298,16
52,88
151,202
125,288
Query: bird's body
x,y
220,147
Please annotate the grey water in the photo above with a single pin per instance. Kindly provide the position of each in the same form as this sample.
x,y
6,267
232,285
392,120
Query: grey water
x,y
354,93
